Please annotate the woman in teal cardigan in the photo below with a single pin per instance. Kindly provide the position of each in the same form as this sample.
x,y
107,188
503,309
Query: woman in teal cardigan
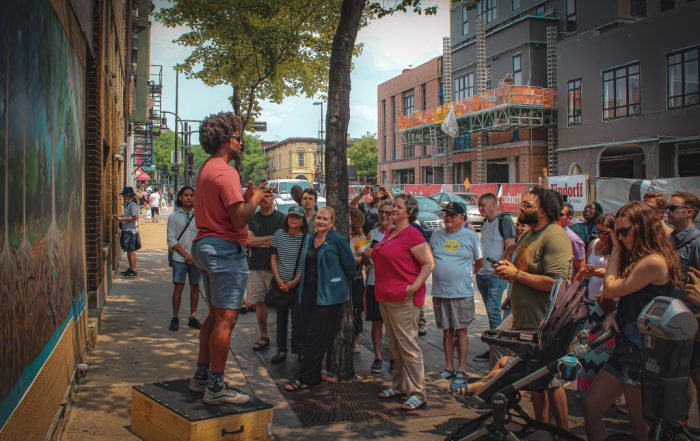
x,y
328,268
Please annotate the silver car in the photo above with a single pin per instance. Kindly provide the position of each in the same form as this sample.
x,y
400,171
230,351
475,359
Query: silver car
x,y
473,216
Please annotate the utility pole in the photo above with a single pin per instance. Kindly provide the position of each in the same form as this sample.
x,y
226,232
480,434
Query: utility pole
x,y
176,165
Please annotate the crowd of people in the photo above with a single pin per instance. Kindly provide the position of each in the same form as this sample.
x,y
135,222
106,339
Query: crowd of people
x,y
301,266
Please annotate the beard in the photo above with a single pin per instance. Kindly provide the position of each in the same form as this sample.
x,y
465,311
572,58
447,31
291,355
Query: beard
x,y
528,218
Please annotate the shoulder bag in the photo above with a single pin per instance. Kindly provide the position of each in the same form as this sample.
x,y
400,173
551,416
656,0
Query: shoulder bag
x,y
281,299
170,250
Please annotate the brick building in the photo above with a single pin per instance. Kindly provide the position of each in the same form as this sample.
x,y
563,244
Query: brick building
x,y
293,158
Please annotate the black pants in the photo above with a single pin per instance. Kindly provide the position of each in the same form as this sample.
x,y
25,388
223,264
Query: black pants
x,y
283,325
323,322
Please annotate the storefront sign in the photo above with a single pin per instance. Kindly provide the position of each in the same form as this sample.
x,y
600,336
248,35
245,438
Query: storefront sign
x,y
511,196
573,187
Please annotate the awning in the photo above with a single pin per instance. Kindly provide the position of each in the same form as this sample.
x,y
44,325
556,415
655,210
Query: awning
x,y
141,176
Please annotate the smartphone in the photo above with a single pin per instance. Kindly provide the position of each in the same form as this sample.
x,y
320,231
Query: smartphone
x,y
492,261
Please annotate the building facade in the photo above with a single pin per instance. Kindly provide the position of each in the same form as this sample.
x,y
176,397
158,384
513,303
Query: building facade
x,y
418,88
293,158
629,102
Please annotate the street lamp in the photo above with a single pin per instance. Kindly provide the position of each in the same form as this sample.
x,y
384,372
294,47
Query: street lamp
x,y
321,143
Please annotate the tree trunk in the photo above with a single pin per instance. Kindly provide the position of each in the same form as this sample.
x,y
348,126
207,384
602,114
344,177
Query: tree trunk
x,y
236,104
337,120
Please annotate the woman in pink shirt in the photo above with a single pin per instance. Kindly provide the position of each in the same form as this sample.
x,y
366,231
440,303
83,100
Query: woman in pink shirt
x,y
403,261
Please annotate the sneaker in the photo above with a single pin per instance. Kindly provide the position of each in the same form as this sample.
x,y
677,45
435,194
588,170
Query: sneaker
x,y
193,322
484,356
377,366
198,384
421,331
174,324
225,395
129,273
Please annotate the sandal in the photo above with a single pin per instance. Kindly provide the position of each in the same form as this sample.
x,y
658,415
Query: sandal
x,y
460,378
261,344
461,389
389,393
329,377
447,374
295,385
413,403
279,357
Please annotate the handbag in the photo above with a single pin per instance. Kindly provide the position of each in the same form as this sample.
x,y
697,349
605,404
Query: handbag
x,y
277,298
170,250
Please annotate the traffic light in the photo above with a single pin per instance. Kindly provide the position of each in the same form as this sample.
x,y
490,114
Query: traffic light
x,y
190,163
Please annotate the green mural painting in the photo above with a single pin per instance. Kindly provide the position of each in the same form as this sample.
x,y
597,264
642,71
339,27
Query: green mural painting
x,y
42,144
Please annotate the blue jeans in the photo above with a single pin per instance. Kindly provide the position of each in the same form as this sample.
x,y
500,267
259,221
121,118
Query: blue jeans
x,y
491,289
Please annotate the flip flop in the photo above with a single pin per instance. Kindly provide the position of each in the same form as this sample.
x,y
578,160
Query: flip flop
x,y
461,389
389,393
295,385
329,377
261,344
413,403
447,374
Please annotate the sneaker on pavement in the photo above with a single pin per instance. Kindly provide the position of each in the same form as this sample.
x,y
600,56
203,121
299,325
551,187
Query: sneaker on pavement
x,y
198,384
129,273
377,366
484,356
225,395
174,324
193,322
421,331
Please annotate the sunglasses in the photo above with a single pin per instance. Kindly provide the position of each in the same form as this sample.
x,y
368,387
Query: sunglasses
x,y
674,207
623,231
384,213
238,138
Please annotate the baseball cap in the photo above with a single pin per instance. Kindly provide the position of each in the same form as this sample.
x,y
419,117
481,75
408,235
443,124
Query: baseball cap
x,y
296,210
454,208
127,191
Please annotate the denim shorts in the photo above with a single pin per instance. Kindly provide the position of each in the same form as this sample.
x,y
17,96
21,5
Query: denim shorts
x,y
625,363
224,266
181,271
129,241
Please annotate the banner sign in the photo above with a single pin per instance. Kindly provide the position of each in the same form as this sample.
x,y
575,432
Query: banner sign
x,y
511,196
483,188
424,190
573,187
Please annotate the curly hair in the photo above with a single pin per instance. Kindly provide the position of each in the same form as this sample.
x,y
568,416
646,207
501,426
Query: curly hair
x,y
411,206
649,238
550,201
217,129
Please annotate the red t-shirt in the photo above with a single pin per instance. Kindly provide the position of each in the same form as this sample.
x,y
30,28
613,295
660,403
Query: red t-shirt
x,y
218,186
396,268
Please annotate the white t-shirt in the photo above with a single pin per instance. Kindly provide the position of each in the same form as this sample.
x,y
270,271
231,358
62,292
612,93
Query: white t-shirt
x,y
154,200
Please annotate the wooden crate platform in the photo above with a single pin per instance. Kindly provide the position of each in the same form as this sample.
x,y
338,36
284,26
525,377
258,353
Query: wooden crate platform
x,y
169,411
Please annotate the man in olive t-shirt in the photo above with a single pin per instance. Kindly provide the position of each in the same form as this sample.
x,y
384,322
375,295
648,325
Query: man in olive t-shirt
x,y
543,255
261,228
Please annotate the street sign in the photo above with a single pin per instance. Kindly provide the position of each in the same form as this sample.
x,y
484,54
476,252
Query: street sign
x,y
260,126
173,160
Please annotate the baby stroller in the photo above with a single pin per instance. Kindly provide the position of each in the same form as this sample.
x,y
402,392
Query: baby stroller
x,y
531,369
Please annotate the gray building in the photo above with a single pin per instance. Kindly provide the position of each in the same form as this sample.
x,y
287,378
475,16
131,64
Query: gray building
x,y
648,128
628,102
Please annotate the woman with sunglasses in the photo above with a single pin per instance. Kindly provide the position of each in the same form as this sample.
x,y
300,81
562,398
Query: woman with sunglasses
x,y
642,266
372,313
594,271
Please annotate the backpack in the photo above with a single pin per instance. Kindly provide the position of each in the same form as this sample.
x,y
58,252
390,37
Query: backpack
x,y
501,229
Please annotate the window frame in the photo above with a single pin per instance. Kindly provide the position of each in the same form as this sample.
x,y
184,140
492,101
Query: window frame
x,y
514,5
301,159
570,21
520,68
424,96
465,20
682,63
574,119
627,104
467,89
487,8
408,102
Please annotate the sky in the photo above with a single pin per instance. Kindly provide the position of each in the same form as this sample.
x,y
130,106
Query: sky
x,y
391,44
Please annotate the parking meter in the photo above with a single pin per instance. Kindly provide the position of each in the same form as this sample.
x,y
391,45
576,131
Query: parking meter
x,y
668,329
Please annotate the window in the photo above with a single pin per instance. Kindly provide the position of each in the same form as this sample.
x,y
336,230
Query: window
x,y
539,12
682,80
464,87
393,147
384,115
667,5
638,8
621,92
393,112
570,15
488,77
573,89
384,147
486,11
409,151
300,158
515,4
423,96
463,142
408,103
465,20
517,70
441,94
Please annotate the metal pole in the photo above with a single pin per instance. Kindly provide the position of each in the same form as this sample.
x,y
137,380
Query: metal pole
x,y
323,141
176,166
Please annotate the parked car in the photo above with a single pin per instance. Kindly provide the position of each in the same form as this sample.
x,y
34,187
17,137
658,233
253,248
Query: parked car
x,y
283,203
284,186
430,214
472,200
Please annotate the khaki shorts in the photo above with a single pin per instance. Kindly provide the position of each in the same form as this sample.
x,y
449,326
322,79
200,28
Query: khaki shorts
x,y
258,284
453,313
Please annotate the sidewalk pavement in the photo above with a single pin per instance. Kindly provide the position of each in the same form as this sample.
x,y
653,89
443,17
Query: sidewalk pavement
x,y
135,347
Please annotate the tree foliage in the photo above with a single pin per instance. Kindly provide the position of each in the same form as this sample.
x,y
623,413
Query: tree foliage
x,y
263,49
254,161
362,153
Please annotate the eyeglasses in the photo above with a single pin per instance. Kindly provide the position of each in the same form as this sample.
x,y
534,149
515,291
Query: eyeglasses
x,y
384,213
623,231
565,214
238,138
674,207
527,205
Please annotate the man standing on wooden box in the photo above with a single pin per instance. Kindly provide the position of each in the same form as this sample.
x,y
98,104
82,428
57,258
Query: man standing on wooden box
x,y
222,212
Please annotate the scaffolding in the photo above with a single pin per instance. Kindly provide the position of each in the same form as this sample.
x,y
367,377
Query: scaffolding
x,y
552,133
155,92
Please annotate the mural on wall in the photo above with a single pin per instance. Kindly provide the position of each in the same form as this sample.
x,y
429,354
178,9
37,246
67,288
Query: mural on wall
x,y
42,139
